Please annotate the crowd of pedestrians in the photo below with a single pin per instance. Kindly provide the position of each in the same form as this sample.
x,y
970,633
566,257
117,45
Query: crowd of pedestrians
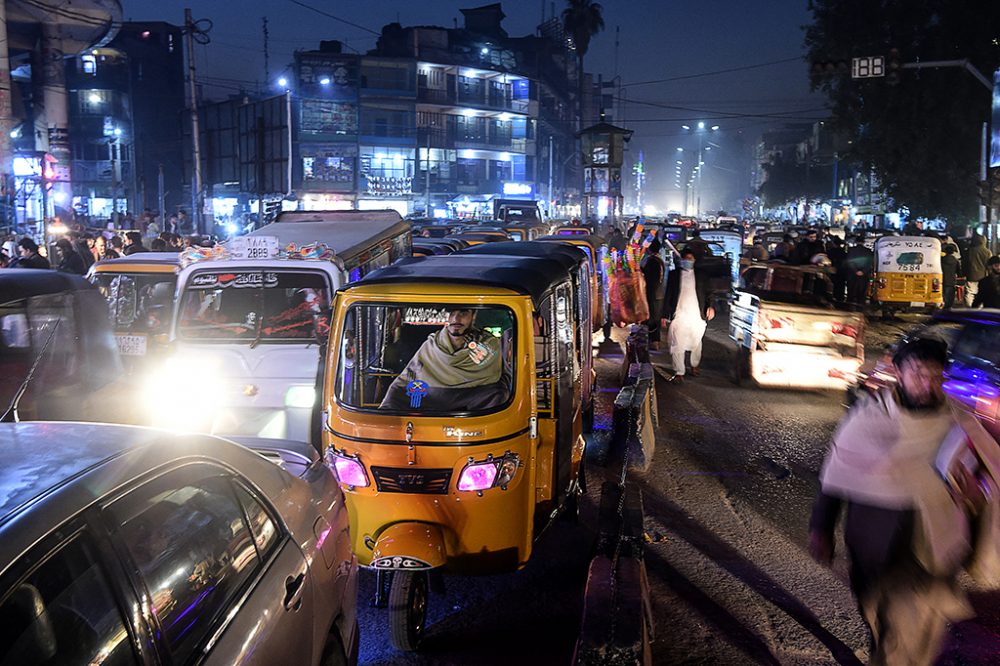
x,y
852,264
76,251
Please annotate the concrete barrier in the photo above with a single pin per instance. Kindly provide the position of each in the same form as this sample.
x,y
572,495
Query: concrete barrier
x,y
634,420
617,623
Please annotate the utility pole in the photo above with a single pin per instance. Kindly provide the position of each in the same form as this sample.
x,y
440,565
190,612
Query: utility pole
x,y
6,153
197,196
552,157
427,176
160,198
267,57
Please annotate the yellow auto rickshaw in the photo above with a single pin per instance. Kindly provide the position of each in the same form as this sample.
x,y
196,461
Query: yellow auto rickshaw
x,y
525,231
576,262
591,244
139,290
908,273
452,419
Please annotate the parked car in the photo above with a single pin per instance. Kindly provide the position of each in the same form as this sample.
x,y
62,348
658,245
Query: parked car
x,y
126,545
972,377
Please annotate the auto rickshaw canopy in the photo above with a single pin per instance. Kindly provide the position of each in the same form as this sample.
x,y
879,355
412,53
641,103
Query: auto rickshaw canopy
x,y
522,275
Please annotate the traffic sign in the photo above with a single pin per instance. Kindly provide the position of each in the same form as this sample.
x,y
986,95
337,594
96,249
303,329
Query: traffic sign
x,y
869,67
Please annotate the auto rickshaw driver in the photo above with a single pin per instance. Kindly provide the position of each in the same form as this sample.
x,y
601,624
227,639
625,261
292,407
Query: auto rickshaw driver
x,y
459,366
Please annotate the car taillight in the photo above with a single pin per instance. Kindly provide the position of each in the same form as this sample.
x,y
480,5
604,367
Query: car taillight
x,y
490,473
936,284
349,470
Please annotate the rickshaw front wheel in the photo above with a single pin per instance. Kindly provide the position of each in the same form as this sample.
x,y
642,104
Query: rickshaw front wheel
x,y
407,609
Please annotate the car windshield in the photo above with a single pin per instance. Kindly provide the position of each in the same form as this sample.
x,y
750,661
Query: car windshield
x,y
255,306
426,358
138,302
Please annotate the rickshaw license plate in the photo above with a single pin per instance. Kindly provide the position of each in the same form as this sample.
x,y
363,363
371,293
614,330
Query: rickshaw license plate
x,y
131,345
409,480
917,304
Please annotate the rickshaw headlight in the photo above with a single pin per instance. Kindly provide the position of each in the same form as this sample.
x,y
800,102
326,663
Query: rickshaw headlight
x,y
350,472
489,473
478,476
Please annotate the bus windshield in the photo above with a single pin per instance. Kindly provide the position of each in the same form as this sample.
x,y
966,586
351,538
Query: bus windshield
x,y
255,306
426,358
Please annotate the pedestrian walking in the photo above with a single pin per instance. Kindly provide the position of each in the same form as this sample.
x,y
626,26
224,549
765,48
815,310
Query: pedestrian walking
x,y
808,248
30,257
698,246
951,266
70,260
653,270
917,478
689,310
989,287
859,263
784,250
975,267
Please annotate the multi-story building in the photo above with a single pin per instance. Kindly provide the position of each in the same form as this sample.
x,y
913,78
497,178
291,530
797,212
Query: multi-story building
x,y
434,120
126,107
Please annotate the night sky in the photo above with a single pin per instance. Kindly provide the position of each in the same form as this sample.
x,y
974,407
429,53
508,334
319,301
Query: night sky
x,y
658,39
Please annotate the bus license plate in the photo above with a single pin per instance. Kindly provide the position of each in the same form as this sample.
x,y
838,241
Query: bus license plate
x,y
131,345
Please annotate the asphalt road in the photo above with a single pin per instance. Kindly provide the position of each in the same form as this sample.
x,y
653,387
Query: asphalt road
x,y
727,500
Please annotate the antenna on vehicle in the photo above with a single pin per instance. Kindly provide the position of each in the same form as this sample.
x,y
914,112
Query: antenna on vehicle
x,y
22,389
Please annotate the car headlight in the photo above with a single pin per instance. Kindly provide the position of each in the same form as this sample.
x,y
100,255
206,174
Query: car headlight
x,y
178,393
301,397
478,476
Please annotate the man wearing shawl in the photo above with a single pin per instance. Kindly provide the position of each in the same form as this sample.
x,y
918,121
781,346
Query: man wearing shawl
x,y
458,368
917,477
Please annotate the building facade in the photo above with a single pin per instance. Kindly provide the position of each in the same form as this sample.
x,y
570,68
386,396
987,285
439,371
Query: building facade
x,y
434,121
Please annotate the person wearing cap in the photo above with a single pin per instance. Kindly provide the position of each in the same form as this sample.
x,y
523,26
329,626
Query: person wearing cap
x,y
915,478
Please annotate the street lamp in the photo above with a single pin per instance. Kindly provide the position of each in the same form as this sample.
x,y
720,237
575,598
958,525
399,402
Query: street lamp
x,y
700,132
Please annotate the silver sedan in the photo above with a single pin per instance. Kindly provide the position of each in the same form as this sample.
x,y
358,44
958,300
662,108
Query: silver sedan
x,y
123,545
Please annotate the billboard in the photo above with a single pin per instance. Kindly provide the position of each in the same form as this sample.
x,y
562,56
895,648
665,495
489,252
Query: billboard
x,y
995,144
265,144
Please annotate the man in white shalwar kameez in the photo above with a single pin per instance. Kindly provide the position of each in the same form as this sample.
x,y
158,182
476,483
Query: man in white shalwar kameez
x,y
688,309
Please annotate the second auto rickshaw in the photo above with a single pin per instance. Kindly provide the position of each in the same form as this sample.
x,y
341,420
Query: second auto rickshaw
x,y
452,418
908,273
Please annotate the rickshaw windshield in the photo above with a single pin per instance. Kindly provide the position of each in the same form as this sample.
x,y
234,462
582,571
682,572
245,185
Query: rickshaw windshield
x,y
426,358
255,306
138,302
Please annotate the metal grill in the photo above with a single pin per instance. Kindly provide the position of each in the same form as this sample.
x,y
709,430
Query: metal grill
x,y
410,480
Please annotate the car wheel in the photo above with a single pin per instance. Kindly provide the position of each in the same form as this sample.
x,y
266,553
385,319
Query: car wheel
x,y
407,609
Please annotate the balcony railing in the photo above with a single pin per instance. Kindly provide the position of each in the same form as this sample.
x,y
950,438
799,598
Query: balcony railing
x,y
436,95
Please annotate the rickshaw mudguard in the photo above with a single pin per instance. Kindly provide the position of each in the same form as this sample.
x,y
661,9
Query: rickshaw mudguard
x,y
409,547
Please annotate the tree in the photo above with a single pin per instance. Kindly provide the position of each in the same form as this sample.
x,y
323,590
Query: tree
x,y
582,19
922,135
787,180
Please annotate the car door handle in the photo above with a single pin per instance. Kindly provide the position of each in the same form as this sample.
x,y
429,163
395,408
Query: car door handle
x,y
293,591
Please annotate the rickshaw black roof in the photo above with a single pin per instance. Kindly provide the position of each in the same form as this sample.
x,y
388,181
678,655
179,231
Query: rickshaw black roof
x,y
19,283
593,239
481,236
531,276
568,255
